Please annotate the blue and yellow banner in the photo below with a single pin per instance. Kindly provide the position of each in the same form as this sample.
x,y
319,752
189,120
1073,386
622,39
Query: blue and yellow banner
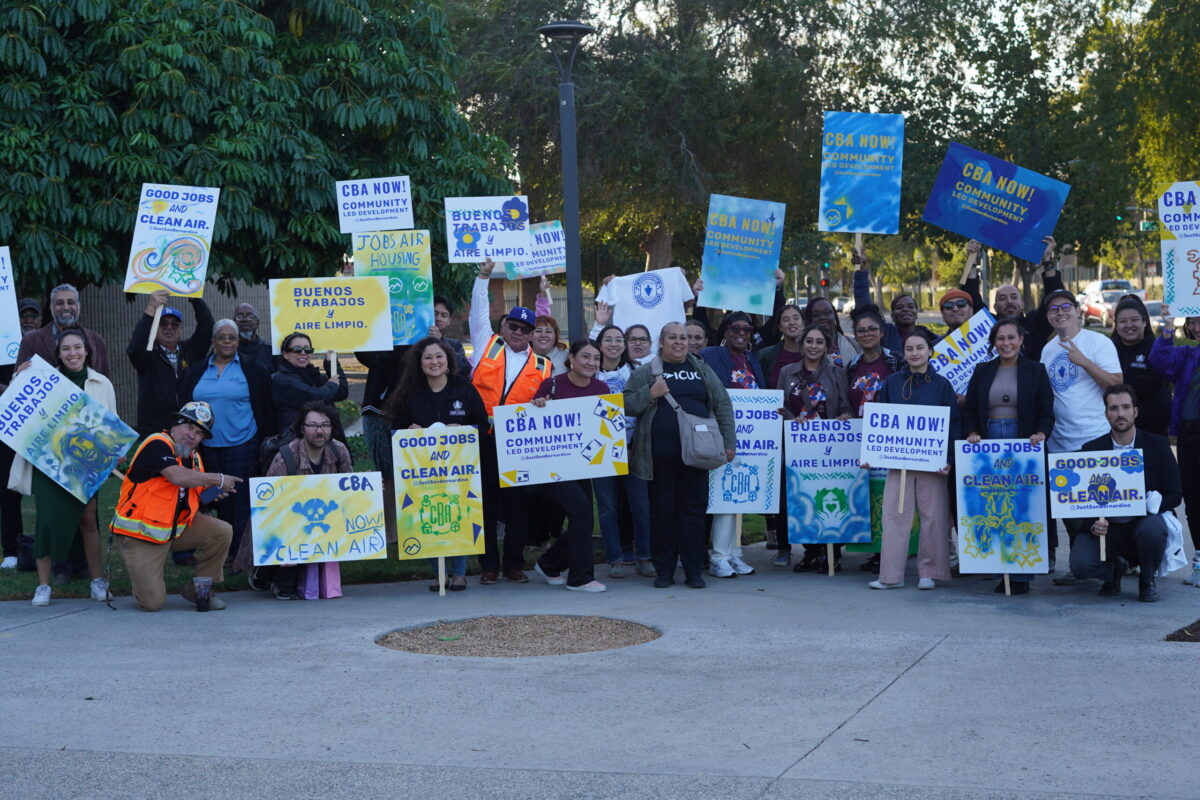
x,y
956,356
566,440
1001,486
172,239
307,519
742,243
340,314
403,259
828,494
862,160
1179,234
1106,483
439,491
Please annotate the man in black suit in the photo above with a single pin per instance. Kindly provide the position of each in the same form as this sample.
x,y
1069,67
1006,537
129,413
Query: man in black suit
x,y
1130,540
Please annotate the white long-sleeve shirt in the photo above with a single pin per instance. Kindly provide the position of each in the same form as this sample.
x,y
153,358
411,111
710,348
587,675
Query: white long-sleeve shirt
x,y
479,323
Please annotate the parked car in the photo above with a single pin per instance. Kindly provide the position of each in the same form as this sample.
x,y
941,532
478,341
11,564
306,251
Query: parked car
x,y
1099,308
1154,308
843,304
800,302
1095,288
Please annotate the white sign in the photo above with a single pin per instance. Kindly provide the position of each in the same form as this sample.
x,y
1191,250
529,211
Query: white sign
x,y
1001,487
172,239
828,495
549,253
479,228
897,436
1104,483
1179,234
374,204
955,357
567,440
10,320
750,484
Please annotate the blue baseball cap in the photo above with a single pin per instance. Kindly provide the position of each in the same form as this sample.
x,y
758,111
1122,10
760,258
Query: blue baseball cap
x,y
522,314
171,311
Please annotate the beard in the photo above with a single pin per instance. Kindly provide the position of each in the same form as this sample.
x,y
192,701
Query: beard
x,y
65,320
183,451
247,335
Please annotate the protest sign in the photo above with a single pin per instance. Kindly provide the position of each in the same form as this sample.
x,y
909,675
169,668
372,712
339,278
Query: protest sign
x,y
567,440
374,204
172,239
862,159
307,519
750,483
401,257
439,491
878,483
1001,486
741,253
479,228
61,430
898,436
549,255
1179,234
956,356
339,314
828,494
10,317
1105,483
995,201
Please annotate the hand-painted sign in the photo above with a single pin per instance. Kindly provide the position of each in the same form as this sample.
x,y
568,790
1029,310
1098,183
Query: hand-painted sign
x,y
374,204
307,519
956,356
61,430
741,253
995,201
1105,483
898,436
862,159
479,228
1001,506
828,495
566,440
340,314
549,255
403,259
172,239
10,318
750,483
1179,232
439,491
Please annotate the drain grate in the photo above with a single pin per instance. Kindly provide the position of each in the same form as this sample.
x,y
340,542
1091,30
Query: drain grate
x,y
519,636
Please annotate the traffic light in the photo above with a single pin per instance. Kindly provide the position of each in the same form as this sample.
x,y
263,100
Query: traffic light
x,y
824,283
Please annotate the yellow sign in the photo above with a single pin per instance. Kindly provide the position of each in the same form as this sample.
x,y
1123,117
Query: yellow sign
x,y
567,440
307,519
341,314
439,491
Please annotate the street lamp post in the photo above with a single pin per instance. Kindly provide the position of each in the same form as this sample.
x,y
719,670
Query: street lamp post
x,y
566,36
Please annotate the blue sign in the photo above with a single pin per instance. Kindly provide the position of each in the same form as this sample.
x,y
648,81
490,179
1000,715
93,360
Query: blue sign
x,y
741,253
862,157
995,201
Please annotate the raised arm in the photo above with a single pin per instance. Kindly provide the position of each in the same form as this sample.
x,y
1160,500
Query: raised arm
x,y
479,321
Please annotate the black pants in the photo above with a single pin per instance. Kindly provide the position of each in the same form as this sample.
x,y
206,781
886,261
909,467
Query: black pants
x,y
1189,467
511,505
1140,541
678,505
571,550
10,506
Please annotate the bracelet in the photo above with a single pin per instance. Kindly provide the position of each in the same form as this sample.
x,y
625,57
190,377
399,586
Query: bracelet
x,y
221,483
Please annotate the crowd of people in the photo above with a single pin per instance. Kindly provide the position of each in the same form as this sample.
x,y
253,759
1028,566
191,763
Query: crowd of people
x,y
218,407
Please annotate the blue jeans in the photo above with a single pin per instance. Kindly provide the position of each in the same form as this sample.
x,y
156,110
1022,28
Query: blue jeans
x,y
456,566
607,491
1006,428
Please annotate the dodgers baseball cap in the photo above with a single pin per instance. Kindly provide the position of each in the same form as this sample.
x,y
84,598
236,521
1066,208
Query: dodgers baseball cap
x,y
171,311
522,314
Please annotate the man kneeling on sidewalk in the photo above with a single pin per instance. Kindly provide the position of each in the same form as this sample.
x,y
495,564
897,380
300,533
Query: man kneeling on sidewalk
x,y
157,510
1139,541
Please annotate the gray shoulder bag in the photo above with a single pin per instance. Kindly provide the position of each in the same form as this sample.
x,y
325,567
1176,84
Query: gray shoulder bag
x,y
703,445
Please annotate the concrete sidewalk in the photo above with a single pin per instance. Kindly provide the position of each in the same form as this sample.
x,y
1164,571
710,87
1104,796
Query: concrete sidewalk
x,y
774,685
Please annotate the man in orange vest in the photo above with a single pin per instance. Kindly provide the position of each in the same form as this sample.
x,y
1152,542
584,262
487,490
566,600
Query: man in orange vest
x,y
158,509
506,371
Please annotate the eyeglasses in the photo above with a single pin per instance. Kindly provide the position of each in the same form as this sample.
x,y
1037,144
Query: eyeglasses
x,y
1061,307
318,426
244,318
950,305
872,329
739,329
638,340
301,351
612,340
226,338
515,327
165,324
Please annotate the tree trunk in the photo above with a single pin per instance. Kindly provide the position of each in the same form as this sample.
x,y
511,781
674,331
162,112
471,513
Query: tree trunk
x,y
527,293
657,247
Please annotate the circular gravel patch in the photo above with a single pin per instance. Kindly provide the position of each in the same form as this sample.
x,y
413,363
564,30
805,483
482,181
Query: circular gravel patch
x,y
517,637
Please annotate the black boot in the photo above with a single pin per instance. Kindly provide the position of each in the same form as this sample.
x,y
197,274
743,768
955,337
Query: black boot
x,y
1147,591
1112,587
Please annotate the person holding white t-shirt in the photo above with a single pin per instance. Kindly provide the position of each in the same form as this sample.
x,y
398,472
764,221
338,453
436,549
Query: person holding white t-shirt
x,y
646,298
1081,365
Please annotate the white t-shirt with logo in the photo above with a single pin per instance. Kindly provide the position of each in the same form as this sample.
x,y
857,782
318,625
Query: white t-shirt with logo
x,y
648,298
1078,400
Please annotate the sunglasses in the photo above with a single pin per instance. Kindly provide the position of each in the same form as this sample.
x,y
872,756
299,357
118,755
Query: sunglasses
x,y
950,305
301,351
519,328
740,329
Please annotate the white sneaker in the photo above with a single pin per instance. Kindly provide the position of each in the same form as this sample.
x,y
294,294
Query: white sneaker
x,y
926,583
740,567
41,597
100,591
882,585
721,568
9,563
555,580
593,586
1194,578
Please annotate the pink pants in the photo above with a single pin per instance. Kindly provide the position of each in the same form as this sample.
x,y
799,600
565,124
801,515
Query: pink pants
x,y
928,492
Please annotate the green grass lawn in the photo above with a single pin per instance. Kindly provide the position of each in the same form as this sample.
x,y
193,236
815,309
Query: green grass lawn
x,y
16,585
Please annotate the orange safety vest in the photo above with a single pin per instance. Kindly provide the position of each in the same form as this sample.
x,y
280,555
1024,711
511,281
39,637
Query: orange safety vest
x,y
490,373
153,510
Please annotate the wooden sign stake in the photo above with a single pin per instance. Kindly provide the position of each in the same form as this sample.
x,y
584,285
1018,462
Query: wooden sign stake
x,y
441,576
333,364
967,269
900,501
154,328
1007,586
829,547
1103,556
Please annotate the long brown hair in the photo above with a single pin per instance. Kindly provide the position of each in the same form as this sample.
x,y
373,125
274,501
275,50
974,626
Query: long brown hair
x,y
412,379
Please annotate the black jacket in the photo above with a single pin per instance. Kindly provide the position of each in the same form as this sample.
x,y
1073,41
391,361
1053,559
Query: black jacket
x,y
1153,390
384,368
1035,399
159,387
291,388
257,379
458,403
1161,468
260,351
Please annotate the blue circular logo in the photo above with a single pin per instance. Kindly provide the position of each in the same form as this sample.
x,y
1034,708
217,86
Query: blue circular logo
x,y
1063,374
13,349
648,290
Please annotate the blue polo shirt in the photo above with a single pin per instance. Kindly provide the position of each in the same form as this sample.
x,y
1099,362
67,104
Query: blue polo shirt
x,y
229,396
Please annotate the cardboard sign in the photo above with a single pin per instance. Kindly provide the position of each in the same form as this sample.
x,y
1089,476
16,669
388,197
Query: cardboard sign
x,y
1179,234
439,491
828,494
995,201
61,430
862,159
479,228
10,319
307,519
897,436
1001,486
549,256
750,483
172,239
956,356
742,243
340,314
1106,483
566,440
374,204
403,259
